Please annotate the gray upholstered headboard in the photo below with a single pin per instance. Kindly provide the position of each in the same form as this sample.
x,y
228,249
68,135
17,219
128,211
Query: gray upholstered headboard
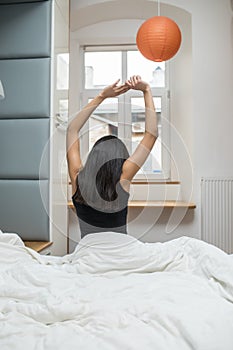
x,y
25,53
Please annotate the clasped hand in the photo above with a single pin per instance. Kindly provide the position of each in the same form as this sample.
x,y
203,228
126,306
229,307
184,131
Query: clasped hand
x,y
135,83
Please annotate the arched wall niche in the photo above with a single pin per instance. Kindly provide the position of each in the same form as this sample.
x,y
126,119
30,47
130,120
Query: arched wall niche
x,y
91,12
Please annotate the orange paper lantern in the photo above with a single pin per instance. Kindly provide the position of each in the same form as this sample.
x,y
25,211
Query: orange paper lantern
x,y
158,38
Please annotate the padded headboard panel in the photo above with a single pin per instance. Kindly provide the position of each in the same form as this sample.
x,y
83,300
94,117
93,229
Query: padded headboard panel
x,y
24,42
25,54
24,205
27,88
24,152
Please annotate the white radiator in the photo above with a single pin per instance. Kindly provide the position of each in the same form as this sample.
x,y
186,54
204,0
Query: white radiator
x,y
217,212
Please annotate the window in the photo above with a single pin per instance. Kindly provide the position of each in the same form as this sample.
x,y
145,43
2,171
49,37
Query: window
x,y
104,121
62,85
124,115
62,71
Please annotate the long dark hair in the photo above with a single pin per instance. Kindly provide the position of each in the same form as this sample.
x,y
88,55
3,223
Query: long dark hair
x,y
98,181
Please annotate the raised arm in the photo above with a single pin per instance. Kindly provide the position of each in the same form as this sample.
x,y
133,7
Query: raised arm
x,y
75,125
138,158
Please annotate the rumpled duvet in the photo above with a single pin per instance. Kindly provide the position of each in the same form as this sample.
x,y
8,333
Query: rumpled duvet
x,y
116,293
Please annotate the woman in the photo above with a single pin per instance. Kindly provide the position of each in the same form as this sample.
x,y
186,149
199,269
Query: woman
x,y
101,188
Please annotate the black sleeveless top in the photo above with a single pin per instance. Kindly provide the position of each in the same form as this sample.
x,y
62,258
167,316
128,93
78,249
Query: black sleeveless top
x,y
92,220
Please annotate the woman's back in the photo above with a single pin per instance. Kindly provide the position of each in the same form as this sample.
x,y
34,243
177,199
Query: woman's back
x,y
100,200
93,219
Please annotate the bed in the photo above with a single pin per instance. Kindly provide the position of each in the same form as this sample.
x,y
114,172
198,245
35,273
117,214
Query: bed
x,y
116,293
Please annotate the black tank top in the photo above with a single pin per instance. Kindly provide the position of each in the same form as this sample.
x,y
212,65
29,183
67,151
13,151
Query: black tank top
x,y
92,220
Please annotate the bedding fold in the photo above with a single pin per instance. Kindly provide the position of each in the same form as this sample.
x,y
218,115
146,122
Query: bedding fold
x,y
115,292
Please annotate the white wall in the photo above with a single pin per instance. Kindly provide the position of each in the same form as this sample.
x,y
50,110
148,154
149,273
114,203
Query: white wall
x,y
58,185
201,80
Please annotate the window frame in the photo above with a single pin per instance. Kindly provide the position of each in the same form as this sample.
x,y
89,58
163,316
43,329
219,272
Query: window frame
x,y
124,111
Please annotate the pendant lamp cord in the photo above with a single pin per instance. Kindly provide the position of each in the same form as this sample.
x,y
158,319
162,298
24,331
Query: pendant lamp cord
x,y
158,7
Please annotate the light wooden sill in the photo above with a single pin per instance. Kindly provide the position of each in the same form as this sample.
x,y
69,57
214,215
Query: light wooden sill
x,y
154,204
38,246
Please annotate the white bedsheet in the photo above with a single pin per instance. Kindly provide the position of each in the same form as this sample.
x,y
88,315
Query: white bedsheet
x,y
116,293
